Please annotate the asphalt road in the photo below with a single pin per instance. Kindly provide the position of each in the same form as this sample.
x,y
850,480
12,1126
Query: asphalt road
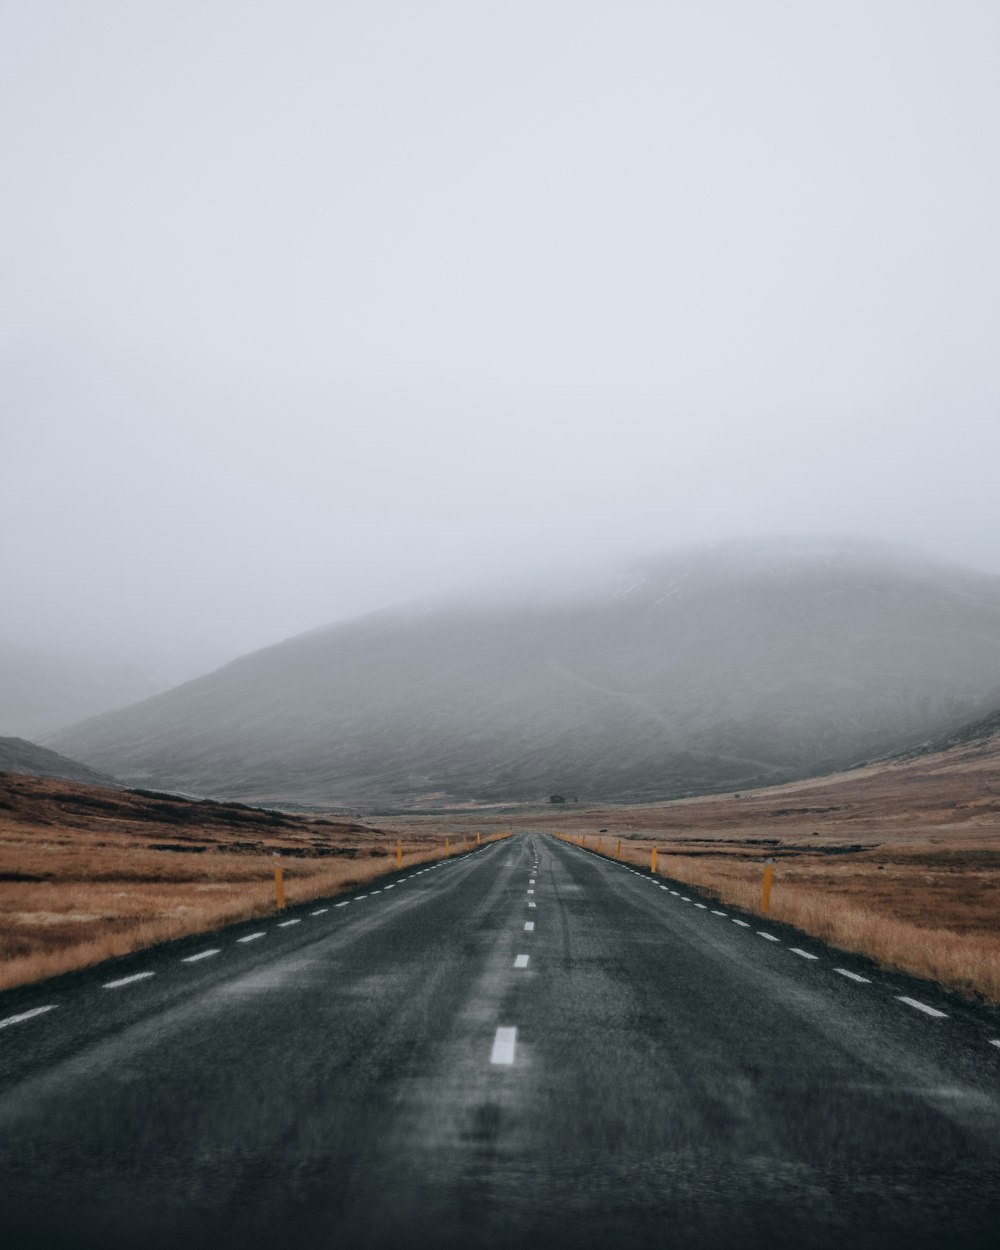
x,y
420,1067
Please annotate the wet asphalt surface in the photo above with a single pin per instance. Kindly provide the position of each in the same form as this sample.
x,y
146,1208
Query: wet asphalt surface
x,y
675,1079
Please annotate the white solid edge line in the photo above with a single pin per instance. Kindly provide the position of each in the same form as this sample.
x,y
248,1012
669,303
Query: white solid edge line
x,y
770,936
930,1011
797,950
27,1015
521,961
193,959
503,1046
529,926
136,976
853,976
251,937
283,924
744,924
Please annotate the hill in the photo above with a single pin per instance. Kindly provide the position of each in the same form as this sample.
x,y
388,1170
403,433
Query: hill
x,y
17,755
707,669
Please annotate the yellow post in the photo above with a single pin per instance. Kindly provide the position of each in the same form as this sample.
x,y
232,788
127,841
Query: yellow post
x,y
765,893
447,847
599,841
279,887
652,860
477,839
399,853
618,849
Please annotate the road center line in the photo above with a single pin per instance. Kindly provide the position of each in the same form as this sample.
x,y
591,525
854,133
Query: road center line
x,y
702,906
742,923
531,891
193,959
503,1046
853,976
136,976
930,1011
29,1015
521,961
720,913
770,936
283,924
797,950
532,904
251,937
321,911
529,926
341,904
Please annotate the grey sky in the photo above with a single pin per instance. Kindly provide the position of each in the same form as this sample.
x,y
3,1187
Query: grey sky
x,y
310,307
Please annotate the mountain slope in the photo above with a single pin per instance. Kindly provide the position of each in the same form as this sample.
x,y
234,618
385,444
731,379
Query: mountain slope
x,y
17,755
717,667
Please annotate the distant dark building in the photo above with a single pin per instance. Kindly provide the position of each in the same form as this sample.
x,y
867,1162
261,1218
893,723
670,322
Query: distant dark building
x,y
556,798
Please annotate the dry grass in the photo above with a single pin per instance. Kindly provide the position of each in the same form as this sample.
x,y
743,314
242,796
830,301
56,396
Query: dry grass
x,y
87,873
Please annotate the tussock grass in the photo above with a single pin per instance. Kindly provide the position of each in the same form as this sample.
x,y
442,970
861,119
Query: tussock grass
x,y
88,874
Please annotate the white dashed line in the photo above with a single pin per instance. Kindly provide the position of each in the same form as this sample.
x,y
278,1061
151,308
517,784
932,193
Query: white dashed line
x,y
27,1015
770,936
136,976
532,881
853,976
685,899
390,887
283,924
720,913
529,926
797,950
503,1046
376,892
521,961
675,894
193,959
995,1041
336,905
531,891
742,923
320,911
930,1011
532,904
360,897
702,906
251,937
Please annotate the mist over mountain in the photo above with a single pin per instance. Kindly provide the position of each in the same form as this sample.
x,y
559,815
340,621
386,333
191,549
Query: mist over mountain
x,y
42,691
715,667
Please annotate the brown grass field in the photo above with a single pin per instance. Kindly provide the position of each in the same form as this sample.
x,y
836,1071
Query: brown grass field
x,y
87,872
897,861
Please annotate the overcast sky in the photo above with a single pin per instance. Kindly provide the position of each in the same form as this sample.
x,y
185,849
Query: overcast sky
x,y
306,308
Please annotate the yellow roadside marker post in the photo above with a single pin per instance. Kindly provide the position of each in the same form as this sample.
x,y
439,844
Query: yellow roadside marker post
x,y
399,853
447,847
279,886
765,893
477,840
599,841
652,860
618,849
